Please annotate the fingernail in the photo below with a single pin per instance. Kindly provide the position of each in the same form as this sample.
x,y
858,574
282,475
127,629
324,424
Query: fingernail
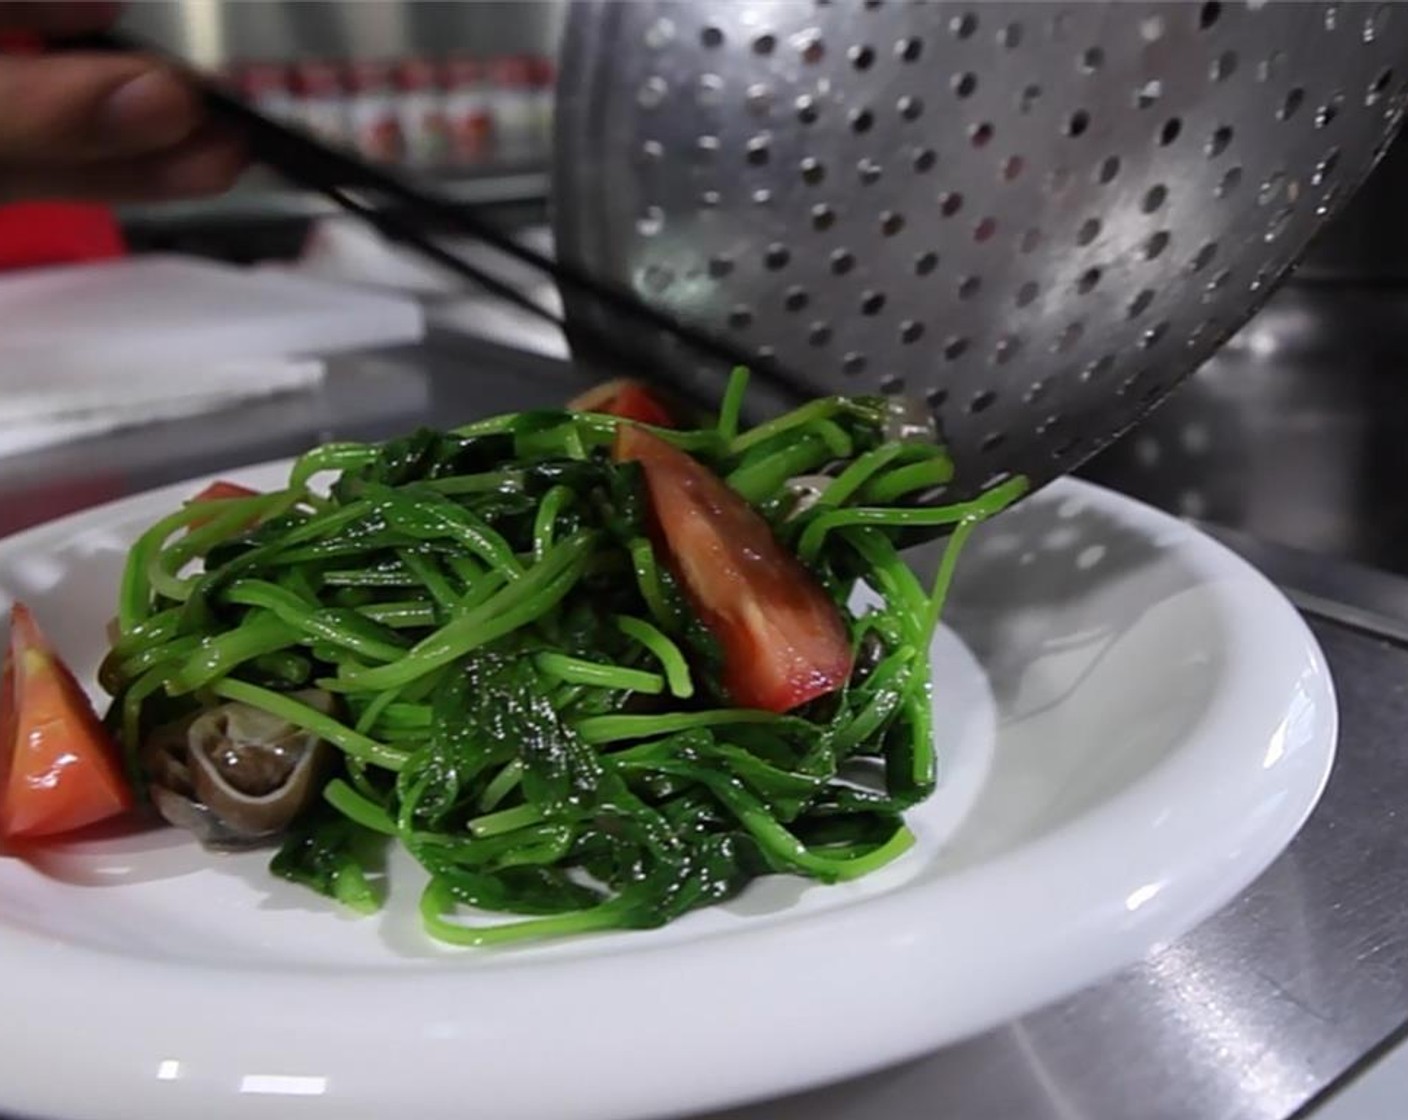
x,y
150,109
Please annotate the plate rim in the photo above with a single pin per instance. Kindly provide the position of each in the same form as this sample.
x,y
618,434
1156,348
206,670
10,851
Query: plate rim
x,y
658,1091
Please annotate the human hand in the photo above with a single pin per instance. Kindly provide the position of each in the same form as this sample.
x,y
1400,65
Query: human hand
x,y
111,127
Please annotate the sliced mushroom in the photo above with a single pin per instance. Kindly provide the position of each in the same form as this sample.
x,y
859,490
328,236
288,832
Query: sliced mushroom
x,y
805,490
236,775
907,419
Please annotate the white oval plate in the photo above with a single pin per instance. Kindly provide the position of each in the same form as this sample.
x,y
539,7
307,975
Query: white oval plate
x,y
1133,724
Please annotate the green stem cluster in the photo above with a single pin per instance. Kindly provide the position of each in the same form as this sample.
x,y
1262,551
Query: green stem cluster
x,y
522,696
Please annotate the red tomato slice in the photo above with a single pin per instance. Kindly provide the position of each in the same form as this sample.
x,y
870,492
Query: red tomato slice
x,y
58,768
783,639
628,400
222,489
218,491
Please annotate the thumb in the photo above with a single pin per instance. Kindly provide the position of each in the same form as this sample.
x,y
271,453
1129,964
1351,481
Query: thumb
x,y
67,109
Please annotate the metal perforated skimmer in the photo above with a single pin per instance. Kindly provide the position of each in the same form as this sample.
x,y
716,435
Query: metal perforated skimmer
x,y
1038,217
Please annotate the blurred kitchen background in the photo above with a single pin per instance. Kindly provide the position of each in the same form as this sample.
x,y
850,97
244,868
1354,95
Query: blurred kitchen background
x,y
458,92
1297,433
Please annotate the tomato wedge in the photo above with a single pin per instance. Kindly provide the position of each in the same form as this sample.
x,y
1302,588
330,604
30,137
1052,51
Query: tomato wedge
x,y
783,639
629,400
58,768
222,489
218,491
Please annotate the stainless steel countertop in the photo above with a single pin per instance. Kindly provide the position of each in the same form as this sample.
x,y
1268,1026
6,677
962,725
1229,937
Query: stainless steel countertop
x,y
1259,1013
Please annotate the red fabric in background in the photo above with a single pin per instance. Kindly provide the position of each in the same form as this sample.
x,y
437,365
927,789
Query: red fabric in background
x,y
26,505
33,234
42,233
20,42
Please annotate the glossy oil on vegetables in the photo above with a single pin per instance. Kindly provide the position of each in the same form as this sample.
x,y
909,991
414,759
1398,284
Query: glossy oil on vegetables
x,y
588,678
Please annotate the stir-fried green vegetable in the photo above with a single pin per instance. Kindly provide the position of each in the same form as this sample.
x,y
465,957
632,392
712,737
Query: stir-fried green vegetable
x,y
494,637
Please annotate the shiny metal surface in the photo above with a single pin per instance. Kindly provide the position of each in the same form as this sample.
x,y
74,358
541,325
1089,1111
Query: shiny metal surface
x,y
1041,216
1249,1017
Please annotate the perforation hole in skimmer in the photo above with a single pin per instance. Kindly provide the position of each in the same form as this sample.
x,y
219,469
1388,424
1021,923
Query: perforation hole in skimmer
x,y
1325,168
872,302
963,26
759,98
1378,87
981,401
659,34
1291,105
1326,114
1067,339
1098,368
1140,303
909,49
